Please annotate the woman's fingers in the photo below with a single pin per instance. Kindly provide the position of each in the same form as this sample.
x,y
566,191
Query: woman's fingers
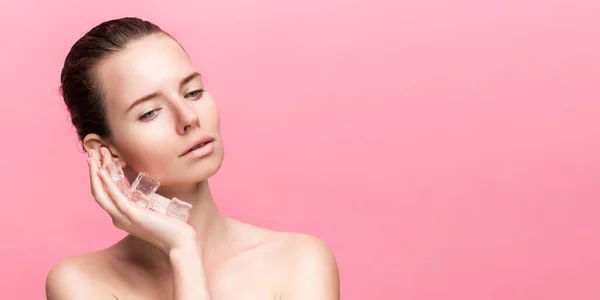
x,y
98,190
116,196
106,156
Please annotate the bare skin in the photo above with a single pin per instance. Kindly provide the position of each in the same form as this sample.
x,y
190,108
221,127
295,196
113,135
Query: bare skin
x,y
261,269
211,256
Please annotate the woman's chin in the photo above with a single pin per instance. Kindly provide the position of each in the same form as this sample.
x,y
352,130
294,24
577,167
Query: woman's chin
x,y
191,176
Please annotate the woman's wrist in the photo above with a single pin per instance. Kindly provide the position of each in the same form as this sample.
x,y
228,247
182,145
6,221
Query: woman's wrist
x,y
184,252
188,272
184,239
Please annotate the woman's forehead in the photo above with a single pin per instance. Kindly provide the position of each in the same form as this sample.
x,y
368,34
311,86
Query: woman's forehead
x,y
143,67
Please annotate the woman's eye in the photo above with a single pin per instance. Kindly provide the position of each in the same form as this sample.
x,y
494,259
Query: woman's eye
x,y
195,94
149,115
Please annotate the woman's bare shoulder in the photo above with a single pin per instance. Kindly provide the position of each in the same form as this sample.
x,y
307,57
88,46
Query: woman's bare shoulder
x,y
290,249
79,276
296,263
300,249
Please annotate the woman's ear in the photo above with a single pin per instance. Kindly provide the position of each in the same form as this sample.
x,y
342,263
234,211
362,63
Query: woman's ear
x,y
116,156
95,142
92,141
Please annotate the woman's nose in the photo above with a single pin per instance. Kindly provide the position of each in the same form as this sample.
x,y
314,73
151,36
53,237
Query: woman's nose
x,y
188,119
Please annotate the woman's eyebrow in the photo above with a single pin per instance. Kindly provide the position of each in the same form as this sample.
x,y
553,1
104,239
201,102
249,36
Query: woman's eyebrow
x,y
156,94
188,79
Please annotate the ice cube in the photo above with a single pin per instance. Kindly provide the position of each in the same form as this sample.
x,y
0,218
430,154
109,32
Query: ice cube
x,y
142,189
138,198
159,203
114,171
116,174
179,209
124,186
145,184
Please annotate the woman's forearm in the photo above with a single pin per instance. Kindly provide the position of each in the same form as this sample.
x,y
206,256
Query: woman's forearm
x,y
189,281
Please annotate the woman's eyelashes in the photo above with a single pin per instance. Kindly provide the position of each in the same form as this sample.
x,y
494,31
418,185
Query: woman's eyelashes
x,y
149,115
195,95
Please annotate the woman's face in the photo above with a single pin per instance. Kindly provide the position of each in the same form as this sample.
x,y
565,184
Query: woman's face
x,y
157,109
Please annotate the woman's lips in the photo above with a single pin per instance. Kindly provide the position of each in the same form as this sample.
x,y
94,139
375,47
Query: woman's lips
x,y
200,151
197,144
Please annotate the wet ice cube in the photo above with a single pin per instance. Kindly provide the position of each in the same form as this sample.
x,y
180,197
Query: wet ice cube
x,y
159,203
179,209
145,184
116,174
138,198
114,171
142,189
124,186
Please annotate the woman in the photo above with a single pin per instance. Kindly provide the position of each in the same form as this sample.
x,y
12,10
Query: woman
x,y
136,99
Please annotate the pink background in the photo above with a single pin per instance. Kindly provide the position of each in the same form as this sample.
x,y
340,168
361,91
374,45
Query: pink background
x,y
444,149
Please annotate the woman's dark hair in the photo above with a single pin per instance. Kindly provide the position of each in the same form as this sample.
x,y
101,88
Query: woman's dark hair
x,y
80,88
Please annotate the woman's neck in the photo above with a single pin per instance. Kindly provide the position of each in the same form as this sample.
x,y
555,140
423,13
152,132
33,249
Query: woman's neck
x,y
205,216
211,226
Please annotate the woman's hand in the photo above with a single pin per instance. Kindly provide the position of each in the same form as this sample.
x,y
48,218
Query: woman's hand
x,y
164,232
